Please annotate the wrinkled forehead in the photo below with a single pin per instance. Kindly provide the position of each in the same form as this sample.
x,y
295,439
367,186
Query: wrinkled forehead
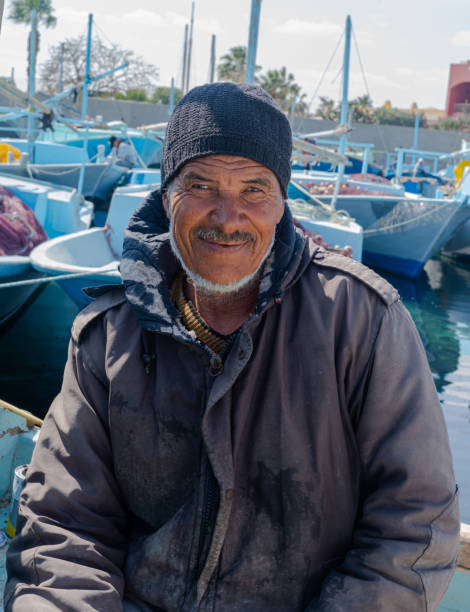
x,y
227,167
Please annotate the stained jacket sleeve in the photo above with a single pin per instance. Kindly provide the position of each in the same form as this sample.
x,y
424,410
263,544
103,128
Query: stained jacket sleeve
x,y
405,543
72,539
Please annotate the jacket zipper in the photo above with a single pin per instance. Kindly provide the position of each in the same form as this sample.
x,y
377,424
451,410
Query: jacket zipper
x,y
209,508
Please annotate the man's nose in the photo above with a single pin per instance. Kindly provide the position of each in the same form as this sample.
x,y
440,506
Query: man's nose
x,y
227,210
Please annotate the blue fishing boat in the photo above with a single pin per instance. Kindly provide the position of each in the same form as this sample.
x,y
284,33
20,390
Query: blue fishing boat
x,y
92,255
62,164
59,211
401,231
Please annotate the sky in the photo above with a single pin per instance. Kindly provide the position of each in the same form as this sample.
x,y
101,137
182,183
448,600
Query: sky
x,y
405,46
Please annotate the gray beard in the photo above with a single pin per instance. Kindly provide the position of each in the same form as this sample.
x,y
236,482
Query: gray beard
x,y
223,292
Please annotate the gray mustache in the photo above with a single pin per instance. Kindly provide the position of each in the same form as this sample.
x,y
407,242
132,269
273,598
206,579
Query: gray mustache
x,y
219,236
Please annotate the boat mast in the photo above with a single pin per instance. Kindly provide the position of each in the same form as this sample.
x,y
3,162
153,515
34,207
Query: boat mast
x,y
61,69
85,106
344,106
212,64
185,58
32,79
252,41
190,48
172,96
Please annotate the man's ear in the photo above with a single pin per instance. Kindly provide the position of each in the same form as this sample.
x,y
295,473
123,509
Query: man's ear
x,y
281,211
166,202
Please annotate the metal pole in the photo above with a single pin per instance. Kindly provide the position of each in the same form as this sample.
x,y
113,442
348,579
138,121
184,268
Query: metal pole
x,y
344,106
86,81
292,111
212,65
190,47
415,136
344,102
172,96
365,160
185,59
252,41
61,68
32,79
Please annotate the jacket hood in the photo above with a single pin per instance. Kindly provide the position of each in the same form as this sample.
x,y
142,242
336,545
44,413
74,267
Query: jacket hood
x,y
148,265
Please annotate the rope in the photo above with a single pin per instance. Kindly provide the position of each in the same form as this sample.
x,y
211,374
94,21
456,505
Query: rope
x,y
22,413
376,123
341,217
321,80
48,279
379,230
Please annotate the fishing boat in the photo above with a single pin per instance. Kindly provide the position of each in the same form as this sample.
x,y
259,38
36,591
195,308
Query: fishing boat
x,y
61,164
19,431
92,255
401,231
334,229
421,172
59,211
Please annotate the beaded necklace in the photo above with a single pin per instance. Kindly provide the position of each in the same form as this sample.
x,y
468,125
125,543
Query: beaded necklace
x,y
194,322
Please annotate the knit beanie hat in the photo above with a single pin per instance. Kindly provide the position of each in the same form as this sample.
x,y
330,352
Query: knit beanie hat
x,y
231,119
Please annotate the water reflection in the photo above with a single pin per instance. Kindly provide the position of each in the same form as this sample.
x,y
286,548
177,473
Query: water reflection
x,y
439,302
427,298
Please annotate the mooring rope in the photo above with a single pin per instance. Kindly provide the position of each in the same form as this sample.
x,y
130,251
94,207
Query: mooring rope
x,y
48,279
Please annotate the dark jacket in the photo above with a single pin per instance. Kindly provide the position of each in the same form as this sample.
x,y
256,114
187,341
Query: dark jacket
x,y
309,471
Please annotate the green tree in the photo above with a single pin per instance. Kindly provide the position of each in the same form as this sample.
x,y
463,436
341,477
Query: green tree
x,y
20,12
282,87
162,95
232,66
395,116
327,109
138,95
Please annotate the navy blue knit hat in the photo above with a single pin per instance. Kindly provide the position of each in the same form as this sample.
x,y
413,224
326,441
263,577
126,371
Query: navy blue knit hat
x,y
231,119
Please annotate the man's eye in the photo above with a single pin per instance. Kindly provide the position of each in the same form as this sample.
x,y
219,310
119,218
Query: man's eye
x,y
200,186
254,190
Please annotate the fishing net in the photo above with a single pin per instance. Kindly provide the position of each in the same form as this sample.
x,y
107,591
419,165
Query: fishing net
x,y
20,231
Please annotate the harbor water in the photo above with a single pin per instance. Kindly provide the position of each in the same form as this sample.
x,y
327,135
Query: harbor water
x,y
33,351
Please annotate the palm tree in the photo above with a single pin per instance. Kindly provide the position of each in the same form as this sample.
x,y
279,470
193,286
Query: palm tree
x,y
21,13
327,109
233,65
363,110
282,87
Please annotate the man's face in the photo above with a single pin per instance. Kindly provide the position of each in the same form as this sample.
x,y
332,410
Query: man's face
x,y
224,211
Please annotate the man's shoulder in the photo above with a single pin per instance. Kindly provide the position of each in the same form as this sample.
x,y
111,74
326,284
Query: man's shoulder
x,y
105,299
348,267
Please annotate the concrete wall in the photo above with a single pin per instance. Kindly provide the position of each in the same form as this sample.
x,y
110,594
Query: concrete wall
x,y
388,137
383,137
132,113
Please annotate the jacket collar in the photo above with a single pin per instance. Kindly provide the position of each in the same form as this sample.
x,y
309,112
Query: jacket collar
x,y
148,266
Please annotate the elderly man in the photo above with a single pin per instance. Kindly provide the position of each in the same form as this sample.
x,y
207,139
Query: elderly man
x,y
250,424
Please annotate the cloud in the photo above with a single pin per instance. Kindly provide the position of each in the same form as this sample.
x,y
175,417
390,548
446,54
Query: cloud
x,y
298,26
143,17
432,75
461,39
